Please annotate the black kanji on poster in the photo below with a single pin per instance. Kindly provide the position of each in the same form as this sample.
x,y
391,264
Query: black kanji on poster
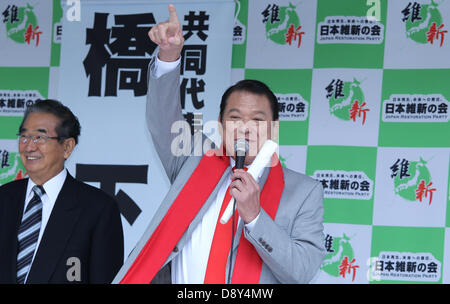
x,y
124,49
108,176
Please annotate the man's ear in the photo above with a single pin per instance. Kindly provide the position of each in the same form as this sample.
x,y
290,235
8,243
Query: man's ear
x,y
69,145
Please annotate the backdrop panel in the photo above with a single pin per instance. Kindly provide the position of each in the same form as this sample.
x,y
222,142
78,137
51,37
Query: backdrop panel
x,y
363,89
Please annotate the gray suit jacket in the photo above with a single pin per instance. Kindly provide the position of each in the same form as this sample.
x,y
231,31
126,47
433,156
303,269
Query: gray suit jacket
x,y
291,246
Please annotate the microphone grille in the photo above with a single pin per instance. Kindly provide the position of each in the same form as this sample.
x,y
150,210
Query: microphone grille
x,y
241,147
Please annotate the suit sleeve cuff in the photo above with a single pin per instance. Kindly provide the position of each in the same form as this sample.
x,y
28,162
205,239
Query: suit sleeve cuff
x,y
252,224
162,67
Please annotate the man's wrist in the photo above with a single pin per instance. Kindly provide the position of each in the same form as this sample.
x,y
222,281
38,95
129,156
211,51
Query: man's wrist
x,y
252,224
163,67
167,57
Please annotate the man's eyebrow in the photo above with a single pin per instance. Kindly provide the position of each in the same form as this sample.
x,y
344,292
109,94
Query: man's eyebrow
x,y
260,112
234,110
254,112
37,130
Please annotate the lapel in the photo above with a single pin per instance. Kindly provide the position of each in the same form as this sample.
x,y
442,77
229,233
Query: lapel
x,y
63,218
212,197
187,235
208,203
9,226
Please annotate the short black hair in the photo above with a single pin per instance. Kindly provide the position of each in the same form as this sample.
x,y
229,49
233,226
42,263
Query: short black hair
x,y
68,127
251,86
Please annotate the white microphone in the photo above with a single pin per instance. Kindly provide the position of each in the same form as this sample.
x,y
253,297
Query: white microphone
x,y
261,161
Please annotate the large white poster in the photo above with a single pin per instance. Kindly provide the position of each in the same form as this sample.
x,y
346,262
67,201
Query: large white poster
x,y
103,79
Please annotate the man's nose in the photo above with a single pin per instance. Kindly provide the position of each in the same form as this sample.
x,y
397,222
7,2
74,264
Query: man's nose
x,y
30,146
247,128
242,130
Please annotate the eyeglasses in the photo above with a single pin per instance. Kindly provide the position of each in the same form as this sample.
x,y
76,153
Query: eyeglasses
x,y
37,139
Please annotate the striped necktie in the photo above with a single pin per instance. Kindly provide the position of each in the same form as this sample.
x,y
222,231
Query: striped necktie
x,y
28,234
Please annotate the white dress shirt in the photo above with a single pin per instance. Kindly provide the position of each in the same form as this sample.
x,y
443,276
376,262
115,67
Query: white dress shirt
x,y
189,266
52,188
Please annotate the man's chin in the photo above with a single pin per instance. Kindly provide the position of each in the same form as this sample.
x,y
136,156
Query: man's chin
x,y
31,165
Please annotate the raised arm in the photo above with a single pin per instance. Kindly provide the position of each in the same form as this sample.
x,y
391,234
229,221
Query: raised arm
x,y
163,97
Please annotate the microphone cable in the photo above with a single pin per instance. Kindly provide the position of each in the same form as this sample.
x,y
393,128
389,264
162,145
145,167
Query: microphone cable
x,y
241,145
232,243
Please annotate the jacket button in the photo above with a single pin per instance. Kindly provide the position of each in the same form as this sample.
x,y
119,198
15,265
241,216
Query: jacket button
x,y
175,249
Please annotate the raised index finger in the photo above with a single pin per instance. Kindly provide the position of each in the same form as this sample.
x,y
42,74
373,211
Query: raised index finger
x,y
173,17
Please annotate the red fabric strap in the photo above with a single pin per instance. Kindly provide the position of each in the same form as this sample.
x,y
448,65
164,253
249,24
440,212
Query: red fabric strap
x,y
220,247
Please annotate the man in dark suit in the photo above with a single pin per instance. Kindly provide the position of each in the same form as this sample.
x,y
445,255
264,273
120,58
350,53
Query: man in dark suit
x,y
53,228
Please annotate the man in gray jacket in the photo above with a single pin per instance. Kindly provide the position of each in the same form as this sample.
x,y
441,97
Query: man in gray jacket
x,y
278,232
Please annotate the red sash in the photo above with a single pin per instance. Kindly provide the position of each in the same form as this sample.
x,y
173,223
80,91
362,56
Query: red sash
x,y
183,210
248,265
220,246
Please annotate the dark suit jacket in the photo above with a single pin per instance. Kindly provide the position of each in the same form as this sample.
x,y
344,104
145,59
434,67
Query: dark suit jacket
x,y
85,223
